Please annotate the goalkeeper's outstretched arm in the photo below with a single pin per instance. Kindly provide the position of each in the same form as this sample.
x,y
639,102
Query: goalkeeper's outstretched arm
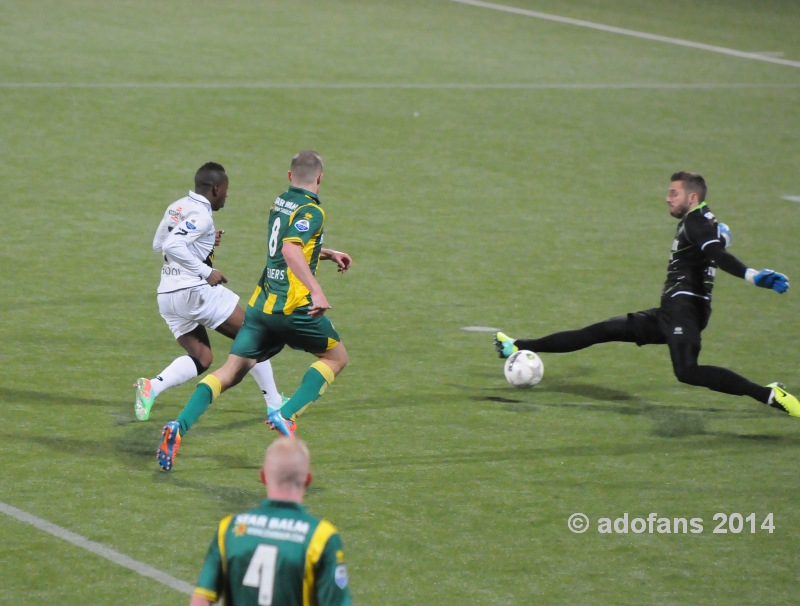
x,y
765,278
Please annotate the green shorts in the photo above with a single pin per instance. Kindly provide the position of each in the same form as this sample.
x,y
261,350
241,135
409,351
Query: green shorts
x,y
264,335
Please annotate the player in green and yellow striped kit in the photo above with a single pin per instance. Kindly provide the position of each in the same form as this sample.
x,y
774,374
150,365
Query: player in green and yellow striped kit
x,y
276,553
287,308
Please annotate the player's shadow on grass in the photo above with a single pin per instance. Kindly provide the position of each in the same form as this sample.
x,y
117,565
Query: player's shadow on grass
x,y
593,392
212,429
139,442
572,373
676,424
136,447
717,441
21,396
518,400
668,422
231,498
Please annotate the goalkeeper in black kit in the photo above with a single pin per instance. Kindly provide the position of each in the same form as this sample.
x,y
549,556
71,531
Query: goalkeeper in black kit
x,y
697,251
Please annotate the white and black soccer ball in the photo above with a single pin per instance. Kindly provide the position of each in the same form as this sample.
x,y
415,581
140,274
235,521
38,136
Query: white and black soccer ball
x,y
524,369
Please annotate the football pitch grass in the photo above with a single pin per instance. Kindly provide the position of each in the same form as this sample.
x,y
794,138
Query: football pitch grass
x,y
527,209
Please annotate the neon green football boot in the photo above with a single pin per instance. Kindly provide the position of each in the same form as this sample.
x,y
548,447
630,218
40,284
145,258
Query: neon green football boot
x,y
504,345
144,398
783,400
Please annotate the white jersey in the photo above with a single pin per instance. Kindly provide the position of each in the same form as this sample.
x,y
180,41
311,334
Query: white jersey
x,y
185,239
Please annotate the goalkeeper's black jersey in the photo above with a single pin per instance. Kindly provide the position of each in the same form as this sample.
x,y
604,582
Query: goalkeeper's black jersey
x,y
690,270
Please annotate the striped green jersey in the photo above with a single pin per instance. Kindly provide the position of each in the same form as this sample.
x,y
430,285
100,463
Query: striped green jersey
x,y
295,216
276,554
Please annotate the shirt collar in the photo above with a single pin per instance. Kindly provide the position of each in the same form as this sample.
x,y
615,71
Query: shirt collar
x,y
198,198
306,193
282,504
699,206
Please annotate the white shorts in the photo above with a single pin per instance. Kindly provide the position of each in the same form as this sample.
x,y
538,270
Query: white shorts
x,y
184,310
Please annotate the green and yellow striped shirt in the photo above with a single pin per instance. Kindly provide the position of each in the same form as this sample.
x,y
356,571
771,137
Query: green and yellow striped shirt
x,y
295,216
275,554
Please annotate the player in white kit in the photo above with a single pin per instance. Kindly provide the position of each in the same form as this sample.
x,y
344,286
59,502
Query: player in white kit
x,y
191,296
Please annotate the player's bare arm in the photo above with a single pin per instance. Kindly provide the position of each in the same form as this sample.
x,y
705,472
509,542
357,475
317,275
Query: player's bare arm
x,y
342,259
216,277
296,260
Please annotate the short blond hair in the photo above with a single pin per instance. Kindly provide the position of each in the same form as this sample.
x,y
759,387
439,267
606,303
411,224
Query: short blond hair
x,y
287,462
306,166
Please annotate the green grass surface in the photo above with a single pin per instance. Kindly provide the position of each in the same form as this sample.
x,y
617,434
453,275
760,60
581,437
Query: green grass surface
x,y
530,210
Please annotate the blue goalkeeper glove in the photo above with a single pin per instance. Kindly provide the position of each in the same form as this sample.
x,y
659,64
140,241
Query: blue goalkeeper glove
x,y
766,278
724,233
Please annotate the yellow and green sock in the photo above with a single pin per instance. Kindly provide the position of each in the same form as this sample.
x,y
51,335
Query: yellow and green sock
x,y
206,392
315,382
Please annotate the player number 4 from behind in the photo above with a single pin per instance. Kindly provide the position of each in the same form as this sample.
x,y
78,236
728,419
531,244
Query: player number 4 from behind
x,y
735,523
261,573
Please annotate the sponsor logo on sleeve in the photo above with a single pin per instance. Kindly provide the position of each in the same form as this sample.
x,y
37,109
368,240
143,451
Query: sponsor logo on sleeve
x,y
190,225
302,225
340,576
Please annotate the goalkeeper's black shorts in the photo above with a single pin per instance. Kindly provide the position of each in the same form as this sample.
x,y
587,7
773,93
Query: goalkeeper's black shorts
x,y
681,318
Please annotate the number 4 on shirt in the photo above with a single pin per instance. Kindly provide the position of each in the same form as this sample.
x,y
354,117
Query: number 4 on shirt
x,y
261,573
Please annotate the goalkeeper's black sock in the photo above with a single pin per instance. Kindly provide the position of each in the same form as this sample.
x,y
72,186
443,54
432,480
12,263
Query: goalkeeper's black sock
x,y
615,329
723,380
716,378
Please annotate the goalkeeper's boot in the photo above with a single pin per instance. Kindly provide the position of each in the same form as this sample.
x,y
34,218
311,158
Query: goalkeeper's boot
x,y
144,398
285,427
169,445
783,400
504,345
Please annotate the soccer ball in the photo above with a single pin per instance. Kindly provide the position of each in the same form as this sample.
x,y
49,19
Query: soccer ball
x,y
524,369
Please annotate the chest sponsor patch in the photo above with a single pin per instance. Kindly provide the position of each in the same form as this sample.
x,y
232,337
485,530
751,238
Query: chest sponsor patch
x,y
301,225
340,576
190,225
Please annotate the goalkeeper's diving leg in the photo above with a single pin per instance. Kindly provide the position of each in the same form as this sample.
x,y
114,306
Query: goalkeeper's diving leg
x,y
613,329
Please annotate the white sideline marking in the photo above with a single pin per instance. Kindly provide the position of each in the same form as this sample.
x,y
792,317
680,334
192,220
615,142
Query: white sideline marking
x,y
400,85
480,329
98,549
791,198
630,32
